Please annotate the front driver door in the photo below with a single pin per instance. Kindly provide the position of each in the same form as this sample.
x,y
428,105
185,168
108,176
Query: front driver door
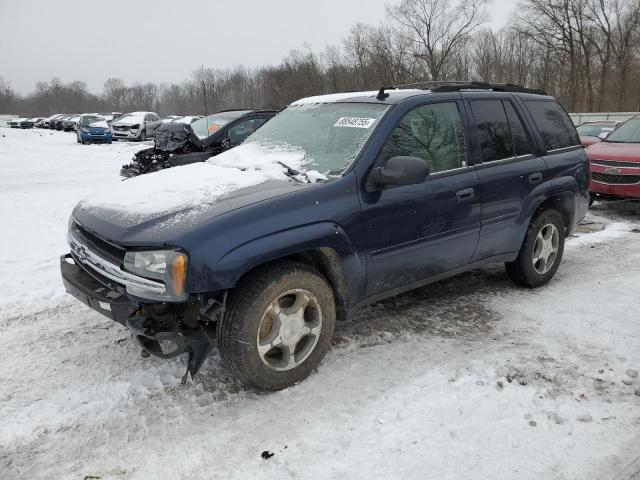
x,y
415,232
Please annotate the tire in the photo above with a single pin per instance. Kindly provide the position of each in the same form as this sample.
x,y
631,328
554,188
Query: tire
x,y
249,321
78,139
549,225
143,136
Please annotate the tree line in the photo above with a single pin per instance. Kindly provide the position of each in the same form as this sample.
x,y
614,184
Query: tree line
x,y
584,52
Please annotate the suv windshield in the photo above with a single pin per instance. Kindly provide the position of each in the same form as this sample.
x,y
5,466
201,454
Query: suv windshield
x,y
331,134
588,130
89,119
629,132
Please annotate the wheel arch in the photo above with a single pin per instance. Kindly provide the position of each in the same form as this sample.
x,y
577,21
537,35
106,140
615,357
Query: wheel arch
x,y
563,203
323,246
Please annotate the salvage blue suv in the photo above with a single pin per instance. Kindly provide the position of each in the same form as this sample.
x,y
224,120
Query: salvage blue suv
x,y
337,202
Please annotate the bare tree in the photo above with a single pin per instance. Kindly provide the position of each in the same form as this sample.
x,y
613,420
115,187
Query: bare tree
x,y
437,29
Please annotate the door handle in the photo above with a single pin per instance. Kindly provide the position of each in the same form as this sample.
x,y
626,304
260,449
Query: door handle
x,y
535,178
465,194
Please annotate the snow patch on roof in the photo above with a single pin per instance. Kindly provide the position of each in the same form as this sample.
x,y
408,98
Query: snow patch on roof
x,y
337,97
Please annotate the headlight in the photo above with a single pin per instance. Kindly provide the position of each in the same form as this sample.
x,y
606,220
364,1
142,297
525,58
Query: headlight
x,y
169,266
135,127
86,130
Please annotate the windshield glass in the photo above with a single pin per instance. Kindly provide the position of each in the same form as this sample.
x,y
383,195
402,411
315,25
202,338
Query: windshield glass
x,y
89,119
211,124
588,130
331,135
628,132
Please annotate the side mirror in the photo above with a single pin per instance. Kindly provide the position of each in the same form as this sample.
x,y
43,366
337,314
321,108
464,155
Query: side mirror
x,y
603,135
398,171
226,144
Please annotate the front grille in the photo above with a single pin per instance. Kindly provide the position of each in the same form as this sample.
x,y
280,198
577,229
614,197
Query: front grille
x,y
121,129
615,163
615,179
104,249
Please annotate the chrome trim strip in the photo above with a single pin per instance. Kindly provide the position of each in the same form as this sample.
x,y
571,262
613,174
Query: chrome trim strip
x,y
111,271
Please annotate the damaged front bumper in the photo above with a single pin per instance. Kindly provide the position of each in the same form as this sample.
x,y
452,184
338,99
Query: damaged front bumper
x,y
163,329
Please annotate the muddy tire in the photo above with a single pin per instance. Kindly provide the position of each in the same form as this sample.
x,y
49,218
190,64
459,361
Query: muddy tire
x,y
278,326
143,136
541,250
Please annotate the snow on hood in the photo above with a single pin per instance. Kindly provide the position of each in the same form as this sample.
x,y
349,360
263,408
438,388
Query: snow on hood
x,y
130,119
99,124
196,186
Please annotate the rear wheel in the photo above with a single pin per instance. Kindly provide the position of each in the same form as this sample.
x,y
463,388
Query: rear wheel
x,y
541,251
278,326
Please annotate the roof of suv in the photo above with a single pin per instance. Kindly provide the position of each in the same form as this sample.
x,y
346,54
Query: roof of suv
x,y
392,95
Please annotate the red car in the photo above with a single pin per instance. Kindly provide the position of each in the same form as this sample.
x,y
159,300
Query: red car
x,y
590,131
615,162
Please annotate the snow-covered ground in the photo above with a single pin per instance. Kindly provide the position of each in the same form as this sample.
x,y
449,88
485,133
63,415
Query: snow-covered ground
x,y
472,378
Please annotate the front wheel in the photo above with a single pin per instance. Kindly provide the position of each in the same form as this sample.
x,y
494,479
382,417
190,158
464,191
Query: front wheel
x,y
278,326
541,251
143,136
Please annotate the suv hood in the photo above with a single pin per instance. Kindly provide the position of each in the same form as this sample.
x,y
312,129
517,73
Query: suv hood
x,y
629,152
152,209
128,123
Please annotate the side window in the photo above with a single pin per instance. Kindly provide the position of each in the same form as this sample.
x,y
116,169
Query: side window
x,y
494,133
431,132
147,118
554,124
238,133
521,141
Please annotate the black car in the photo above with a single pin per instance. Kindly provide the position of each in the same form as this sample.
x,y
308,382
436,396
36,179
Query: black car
x,y
58,123
392,190
30,122
178,144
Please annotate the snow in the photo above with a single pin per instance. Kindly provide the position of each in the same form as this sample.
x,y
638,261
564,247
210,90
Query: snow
x,y
100,124
409,390
198,185
130,118
337,97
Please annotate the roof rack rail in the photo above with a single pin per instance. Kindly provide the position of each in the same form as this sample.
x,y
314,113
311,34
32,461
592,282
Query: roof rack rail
x,y
457,85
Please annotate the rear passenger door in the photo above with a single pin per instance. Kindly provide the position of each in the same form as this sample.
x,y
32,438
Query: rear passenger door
x,y
509,171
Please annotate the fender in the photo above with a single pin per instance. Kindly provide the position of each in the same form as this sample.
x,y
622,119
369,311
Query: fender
x,y
238,261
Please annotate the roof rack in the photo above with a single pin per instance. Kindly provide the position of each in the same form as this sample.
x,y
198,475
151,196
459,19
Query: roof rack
x,y
457,85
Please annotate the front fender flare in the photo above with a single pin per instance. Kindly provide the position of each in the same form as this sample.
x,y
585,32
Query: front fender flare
x,y
238,261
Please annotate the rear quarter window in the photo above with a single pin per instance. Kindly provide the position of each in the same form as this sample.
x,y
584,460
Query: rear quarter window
x,y
555,126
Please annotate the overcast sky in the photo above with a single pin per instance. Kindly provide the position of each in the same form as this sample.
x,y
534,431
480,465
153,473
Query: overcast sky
x,y
165,40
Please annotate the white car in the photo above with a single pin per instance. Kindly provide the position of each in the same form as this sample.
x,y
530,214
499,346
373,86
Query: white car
x,y
189,119
135,126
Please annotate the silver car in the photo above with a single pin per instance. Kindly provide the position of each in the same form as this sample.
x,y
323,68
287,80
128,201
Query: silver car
x,y
135,126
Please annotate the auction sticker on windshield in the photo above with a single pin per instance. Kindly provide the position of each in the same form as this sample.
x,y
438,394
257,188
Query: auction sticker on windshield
x,y
354,122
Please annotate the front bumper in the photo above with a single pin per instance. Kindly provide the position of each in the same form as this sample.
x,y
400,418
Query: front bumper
x,y
126,134
96,137
91,292
152,326
623,181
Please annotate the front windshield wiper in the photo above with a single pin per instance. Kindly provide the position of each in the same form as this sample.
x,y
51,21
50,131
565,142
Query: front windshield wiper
x,y
295,174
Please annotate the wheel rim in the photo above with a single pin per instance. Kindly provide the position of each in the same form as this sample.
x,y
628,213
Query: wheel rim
x,y
289,330
545,248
